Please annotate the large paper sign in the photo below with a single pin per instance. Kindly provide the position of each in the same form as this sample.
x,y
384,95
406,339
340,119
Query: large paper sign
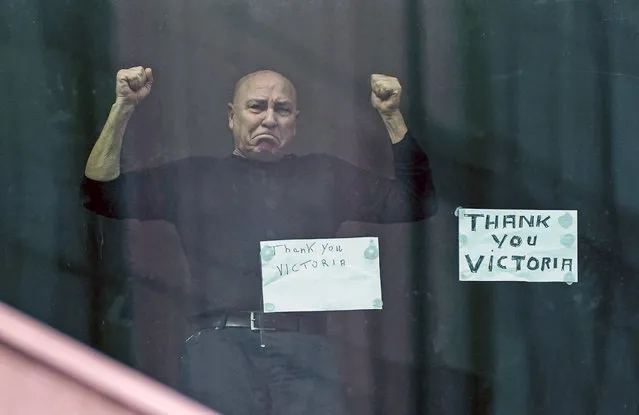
x,y
321,274
517,245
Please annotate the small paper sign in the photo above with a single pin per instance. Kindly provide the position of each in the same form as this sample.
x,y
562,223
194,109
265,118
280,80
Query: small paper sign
x,y
321,274
517,245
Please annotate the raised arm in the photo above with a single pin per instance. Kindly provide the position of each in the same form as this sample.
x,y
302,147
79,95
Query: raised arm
x,y
369,197
140,195
132,86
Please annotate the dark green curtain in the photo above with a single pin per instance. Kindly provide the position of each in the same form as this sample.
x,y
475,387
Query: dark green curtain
x,y
520,104
57,84
548,120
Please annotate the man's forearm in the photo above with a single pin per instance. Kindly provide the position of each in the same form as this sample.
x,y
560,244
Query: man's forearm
x,y
104,161
395,126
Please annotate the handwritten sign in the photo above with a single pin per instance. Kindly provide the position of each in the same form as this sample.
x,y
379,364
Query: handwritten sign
x,y
321,274
517,245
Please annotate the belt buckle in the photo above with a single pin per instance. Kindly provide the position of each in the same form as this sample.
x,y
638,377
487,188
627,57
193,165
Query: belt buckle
x,y
253,328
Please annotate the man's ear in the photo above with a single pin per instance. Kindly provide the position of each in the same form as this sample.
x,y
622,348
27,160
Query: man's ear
x,y
231,115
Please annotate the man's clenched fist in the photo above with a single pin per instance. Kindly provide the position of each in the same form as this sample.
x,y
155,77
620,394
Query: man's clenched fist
x,y
385,93
133,84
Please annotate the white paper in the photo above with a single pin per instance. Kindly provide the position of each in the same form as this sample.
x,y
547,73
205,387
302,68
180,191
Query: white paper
x,y
321,274
518,245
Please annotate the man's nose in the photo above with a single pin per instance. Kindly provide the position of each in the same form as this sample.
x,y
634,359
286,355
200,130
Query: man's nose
x,y
269,118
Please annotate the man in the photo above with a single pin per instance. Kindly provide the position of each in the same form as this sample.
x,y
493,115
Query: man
x,y
222,209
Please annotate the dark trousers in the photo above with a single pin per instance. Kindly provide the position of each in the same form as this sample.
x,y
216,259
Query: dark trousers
x,y
230,372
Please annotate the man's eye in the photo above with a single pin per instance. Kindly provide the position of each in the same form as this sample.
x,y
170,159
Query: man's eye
x,y
284,110
256,106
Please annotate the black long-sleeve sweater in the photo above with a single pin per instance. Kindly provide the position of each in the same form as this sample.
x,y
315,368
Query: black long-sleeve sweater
x,y
223,207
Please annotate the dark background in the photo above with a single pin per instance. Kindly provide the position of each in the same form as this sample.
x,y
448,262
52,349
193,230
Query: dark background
x,y
520,104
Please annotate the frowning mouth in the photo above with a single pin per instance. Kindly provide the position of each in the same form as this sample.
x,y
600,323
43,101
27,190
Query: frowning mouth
x,y
266,142
265,137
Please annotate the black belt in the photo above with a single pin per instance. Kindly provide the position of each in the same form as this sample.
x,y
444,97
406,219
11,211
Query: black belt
x,y
257,321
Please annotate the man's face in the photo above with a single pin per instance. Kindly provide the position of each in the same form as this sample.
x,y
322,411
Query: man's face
x,y
263,116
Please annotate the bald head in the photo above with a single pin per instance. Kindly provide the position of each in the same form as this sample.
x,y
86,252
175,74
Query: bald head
x,y
263,115
248,79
